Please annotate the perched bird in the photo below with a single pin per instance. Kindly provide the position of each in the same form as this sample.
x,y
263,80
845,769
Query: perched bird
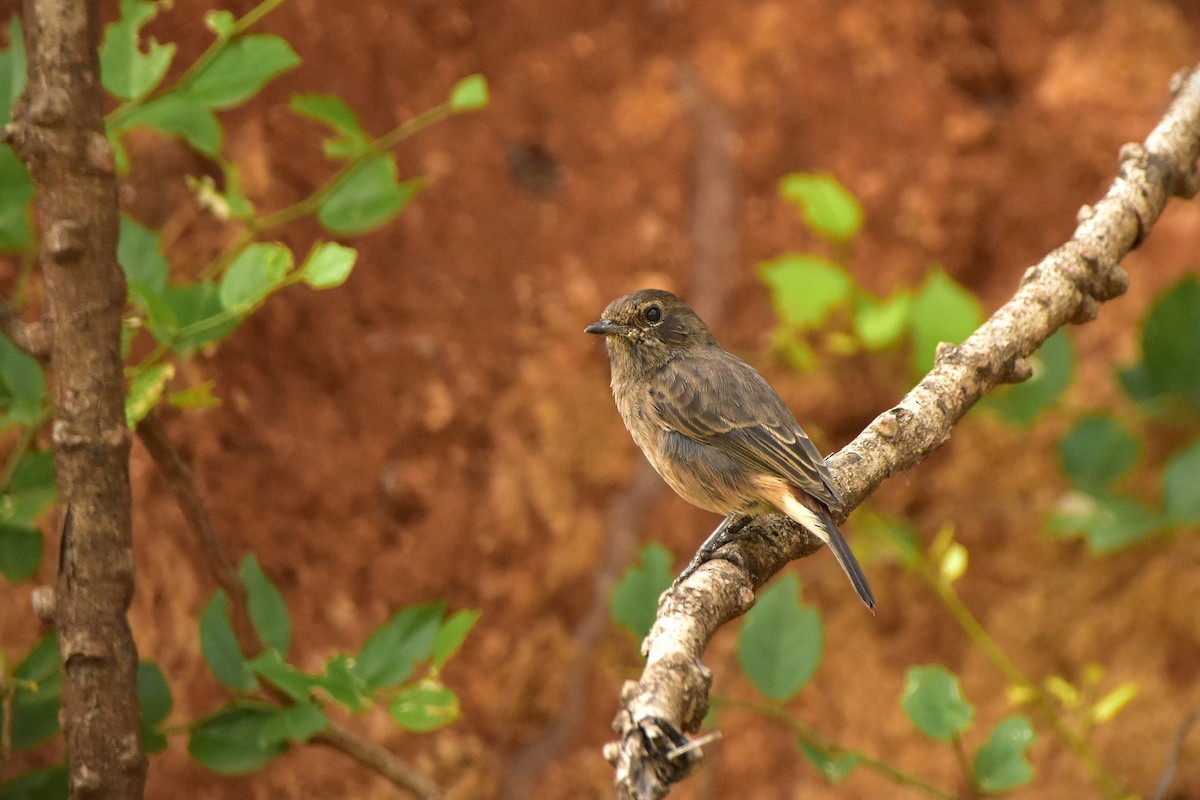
x,y
713,427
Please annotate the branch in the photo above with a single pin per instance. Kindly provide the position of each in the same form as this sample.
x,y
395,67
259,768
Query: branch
x,y
380,760
59,132
28,337
187,494
1067,286
1162,790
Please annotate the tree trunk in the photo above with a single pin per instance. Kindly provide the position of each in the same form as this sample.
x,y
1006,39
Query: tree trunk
x,y
59,132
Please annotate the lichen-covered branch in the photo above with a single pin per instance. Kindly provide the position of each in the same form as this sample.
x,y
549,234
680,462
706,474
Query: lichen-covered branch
x,y
1067,286
59,131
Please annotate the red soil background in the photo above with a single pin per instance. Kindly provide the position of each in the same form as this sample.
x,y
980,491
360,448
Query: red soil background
x,y
441,427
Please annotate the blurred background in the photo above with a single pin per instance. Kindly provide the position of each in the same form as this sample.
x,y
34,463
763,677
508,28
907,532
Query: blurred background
x,y
440,426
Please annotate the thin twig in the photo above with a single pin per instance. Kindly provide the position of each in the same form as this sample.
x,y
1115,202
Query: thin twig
x,y
1173,756
379,759
811,735
187,494
179,476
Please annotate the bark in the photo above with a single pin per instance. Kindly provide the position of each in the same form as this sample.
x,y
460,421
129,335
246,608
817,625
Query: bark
x,y
1067,286
58,130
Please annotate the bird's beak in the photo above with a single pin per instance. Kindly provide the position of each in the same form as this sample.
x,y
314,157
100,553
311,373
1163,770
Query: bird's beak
x,y
606,328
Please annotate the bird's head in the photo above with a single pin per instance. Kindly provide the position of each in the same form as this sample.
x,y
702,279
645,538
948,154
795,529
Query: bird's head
x,y
650,326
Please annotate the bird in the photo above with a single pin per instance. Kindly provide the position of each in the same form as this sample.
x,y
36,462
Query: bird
x,y
714,428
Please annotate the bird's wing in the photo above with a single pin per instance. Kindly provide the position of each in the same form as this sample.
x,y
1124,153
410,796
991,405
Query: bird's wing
x,y
720,400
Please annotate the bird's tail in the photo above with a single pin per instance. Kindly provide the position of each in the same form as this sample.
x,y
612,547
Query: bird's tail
x,y
816,519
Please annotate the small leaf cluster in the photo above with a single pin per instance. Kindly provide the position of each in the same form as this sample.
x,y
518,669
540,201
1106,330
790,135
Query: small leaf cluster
x,y
273,704
810,290
934,702
170,319
1074,709
780,647
252,730
1100,451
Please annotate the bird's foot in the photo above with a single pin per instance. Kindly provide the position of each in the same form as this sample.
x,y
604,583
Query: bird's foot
x,y
729,530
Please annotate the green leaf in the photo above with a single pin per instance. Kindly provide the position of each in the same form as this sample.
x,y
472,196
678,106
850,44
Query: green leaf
x,y
155,703
20,552
175,116
12,69
805,288
1136,382
328,265
145,390
47,783
835,769
1170,346
425,707
781,642
451,635
295,724
469,94
829,208
220,22
125,70
197,316
352,141
392,652
943,311
933,700
16,186
230,742
238,72
41,663
258,271
1053,364
16,190
154,695
22,387
289,680
634,600
1097,451
139,251
1000,765
367,196
1108,523
342,684
219,645
198,396
31,489
35,712
1181,485
268,612
881,324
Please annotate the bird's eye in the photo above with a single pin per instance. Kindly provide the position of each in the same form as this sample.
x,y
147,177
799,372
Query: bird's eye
x,y
653,314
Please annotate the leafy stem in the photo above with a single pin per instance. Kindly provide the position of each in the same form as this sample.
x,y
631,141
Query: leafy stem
x,y
809,734
1013,674
312,203
197,67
